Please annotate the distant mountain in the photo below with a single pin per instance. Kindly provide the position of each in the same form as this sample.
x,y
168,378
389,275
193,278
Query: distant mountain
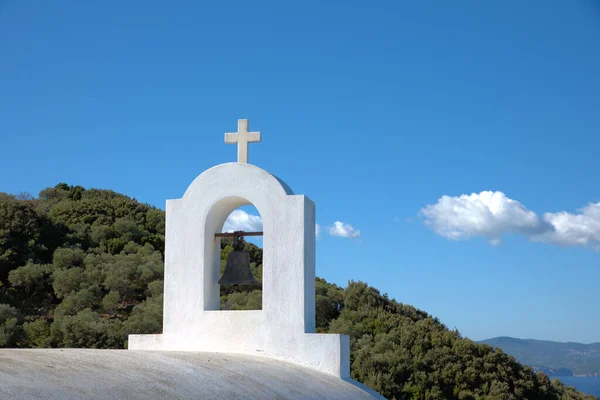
x,y
553,358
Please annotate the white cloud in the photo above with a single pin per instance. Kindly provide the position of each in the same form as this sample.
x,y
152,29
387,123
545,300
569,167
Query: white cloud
x,y
343,229
317,230
488,214
492,214
240,220
581,229
494,242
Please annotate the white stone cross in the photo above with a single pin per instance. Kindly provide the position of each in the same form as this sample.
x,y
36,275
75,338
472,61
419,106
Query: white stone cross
x,y
242,137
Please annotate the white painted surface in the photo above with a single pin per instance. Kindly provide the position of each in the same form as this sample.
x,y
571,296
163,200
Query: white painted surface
x,y
285,326
242,137
66,374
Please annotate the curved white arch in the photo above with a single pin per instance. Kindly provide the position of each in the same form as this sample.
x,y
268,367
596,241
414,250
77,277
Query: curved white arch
x,y
232,175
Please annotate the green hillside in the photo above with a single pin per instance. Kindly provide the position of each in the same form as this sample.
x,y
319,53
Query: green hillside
x,y
84,268
555,357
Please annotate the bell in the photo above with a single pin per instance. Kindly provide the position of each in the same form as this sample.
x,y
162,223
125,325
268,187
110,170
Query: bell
x,y
238,271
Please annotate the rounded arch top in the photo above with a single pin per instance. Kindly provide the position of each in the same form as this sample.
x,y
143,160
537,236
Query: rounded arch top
x,y
236,179
210,199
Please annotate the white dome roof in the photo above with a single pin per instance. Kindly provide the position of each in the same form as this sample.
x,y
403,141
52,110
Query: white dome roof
x,y
120,374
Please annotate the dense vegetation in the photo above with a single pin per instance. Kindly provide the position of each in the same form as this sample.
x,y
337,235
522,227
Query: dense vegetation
x,y
558,358
83,268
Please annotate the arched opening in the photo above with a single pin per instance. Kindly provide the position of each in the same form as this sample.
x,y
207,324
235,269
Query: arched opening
x,y
228,215
243,297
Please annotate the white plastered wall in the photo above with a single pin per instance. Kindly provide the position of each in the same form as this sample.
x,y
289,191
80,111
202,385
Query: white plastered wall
x,y
285,326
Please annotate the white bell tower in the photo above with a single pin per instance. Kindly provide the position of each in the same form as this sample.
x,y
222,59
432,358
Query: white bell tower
x,y
285,327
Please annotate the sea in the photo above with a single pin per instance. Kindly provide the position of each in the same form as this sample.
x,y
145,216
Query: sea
x,y
586,384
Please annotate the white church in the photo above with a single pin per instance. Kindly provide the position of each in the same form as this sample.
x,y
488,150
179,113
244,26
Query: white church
x,y
204,352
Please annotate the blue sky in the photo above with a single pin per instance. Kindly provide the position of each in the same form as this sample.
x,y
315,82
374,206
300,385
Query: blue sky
x,y
373,110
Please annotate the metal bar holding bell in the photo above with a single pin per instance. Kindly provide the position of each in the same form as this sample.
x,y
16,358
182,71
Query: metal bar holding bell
x,y
237,234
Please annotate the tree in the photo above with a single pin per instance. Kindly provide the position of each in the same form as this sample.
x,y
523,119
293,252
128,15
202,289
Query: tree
x,y
10,325
146,317
87,329
20,233
37,333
